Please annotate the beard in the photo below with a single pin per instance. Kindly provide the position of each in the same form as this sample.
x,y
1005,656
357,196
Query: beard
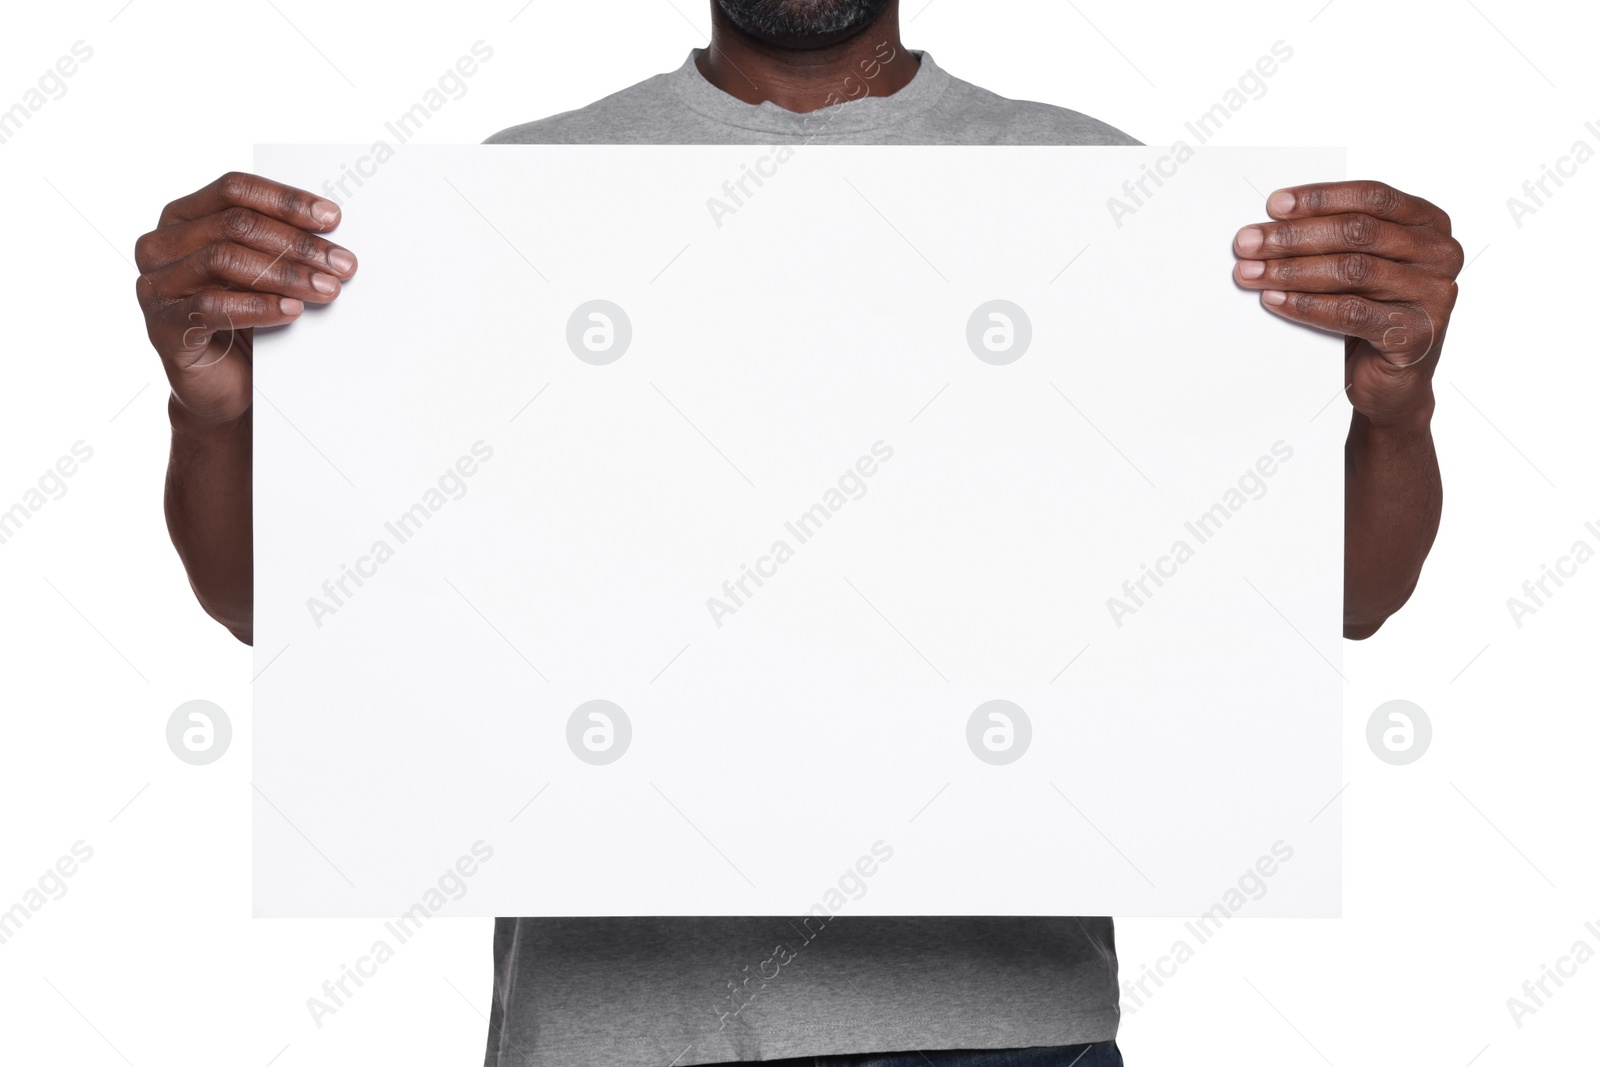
x,y
799,19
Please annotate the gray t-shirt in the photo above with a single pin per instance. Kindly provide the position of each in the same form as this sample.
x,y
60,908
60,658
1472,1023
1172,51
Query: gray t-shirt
x,y
655,992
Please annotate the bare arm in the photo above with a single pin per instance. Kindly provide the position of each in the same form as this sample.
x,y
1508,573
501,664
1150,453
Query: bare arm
x,y
1392,500
208,515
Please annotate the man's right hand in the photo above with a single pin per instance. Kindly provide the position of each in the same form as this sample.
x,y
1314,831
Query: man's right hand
x,y
240,253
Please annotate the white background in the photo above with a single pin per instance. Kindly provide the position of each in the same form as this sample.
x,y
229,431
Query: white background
x,y
1466,871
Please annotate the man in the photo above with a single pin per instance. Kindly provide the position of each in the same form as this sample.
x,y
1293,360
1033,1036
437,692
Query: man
x,y
1358,258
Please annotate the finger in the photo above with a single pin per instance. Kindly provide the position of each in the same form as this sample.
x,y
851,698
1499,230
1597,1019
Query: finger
x,y
1366,197
238,189
228,265
1334,234
247,227
183,330
1403,332
1349,272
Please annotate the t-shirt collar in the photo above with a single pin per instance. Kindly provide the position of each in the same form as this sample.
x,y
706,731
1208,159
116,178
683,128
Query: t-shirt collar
x,y
852,116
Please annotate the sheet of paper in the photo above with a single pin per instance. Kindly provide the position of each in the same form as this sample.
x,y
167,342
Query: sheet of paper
x,y
747,531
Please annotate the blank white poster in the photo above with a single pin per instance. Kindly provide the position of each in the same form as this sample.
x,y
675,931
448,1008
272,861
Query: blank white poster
x,y
746,531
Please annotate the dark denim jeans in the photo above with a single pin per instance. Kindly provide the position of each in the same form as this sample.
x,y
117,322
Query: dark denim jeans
x,y
1100,1054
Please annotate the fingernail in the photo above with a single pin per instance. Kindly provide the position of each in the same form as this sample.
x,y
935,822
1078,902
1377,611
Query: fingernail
x,y
341,261
325,212
290,306
1250,238
324,283
1251,269
1273,296
1280,202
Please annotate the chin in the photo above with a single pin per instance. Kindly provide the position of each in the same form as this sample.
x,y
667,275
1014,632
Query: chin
x,y
803,23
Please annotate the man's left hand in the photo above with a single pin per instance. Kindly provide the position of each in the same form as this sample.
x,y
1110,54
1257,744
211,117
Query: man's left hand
x,y
1362,259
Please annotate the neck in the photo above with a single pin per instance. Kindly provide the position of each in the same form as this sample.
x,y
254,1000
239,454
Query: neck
x,y
808,76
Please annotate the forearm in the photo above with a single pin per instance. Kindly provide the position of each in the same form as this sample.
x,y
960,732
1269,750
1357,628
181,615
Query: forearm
x,y
1393,497
208,507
